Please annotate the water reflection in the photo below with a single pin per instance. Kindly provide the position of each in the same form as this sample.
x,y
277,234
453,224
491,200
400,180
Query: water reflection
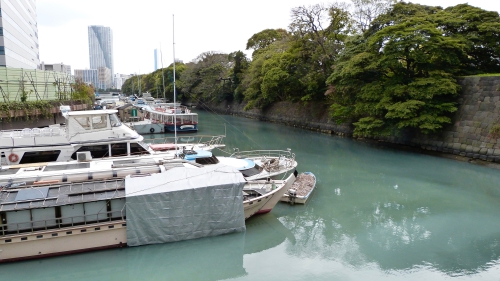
x,y
188,260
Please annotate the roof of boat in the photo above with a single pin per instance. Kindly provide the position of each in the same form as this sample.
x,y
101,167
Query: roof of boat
x,y
62,194
92,112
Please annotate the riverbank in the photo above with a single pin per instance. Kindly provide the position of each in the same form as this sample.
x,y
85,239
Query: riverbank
x,y
471,136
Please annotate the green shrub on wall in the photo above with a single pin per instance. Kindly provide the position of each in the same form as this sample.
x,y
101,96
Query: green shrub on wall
x,y
495,131
29,110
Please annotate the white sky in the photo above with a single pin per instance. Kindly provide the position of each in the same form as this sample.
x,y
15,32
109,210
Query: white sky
x,y
140,26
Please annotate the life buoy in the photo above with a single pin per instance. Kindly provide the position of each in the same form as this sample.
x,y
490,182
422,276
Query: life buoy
x,y
13,158
152,130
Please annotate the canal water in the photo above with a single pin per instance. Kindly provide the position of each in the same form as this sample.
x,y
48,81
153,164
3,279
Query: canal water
x,y
377,214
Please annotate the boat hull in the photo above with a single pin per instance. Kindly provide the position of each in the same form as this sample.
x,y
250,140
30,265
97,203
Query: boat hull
x,y
63,241
266,203
151,128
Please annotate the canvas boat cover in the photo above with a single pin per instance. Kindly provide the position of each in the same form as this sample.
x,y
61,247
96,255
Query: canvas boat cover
x,y
182,204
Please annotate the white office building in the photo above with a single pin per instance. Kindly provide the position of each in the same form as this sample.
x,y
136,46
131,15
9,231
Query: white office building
x,y
101,47
119,79
58,67
18,34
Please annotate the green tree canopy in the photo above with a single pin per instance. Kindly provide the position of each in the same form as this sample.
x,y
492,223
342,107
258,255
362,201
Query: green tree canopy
x,y
400,76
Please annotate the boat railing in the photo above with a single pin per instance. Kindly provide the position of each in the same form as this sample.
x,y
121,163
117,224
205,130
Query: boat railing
x,y
62,222
266,155
207,140
34,132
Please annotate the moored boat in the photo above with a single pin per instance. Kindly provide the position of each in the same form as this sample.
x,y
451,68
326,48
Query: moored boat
x,y
86,168
97,131
260,197
254,165
175,205
301,189
174,117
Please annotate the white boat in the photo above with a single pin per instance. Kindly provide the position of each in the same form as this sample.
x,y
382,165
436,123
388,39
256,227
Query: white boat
x,y
174,117
97,131
146,126
85,168
260,197
301,189
254,165
75,217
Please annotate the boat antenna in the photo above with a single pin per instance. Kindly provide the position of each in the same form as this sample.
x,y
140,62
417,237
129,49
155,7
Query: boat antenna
x,y
139,84
175,109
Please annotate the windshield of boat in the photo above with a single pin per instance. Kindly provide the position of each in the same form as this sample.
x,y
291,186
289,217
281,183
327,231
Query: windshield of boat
x,y
115,121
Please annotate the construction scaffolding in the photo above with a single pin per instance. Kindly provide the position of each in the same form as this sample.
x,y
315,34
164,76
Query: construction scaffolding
x,y
33,84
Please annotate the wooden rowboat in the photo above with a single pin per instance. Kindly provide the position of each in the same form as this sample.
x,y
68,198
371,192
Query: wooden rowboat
x,y
301,189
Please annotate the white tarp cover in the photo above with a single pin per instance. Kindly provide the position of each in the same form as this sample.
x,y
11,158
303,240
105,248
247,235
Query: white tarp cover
x,y
182,204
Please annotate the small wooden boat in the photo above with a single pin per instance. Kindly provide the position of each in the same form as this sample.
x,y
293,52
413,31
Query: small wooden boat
x,y
301,189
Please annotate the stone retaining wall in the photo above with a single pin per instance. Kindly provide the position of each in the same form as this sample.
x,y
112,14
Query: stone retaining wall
x,y
470,133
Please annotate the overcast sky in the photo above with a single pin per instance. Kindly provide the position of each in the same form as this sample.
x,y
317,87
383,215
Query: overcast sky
x,y
141,26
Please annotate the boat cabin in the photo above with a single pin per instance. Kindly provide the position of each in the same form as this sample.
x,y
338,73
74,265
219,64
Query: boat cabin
x,y
97,131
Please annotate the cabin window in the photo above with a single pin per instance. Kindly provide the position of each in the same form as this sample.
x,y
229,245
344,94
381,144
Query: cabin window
x,y
96,151
119,149
99,122
3,222
136,148
115,122
39,156
207,160
84,122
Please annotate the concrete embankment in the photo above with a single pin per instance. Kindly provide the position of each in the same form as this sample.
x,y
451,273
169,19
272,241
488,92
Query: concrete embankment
x,y
474,133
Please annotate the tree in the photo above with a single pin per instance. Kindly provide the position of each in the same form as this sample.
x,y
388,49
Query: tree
x,y
202,77
82,91
365,11
240,65
479,30
319,32
405,71
265,38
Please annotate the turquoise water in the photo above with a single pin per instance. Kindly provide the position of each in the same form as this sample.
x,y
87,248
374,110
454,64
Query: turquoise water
x,y
377,214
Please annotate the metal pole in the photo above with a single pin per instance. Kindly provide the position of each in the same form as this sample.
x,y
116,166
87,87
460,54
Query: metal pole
x,y
175,109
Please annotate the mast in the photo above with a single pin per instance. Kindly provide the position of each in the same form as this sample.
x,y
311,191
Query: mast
x,y
175,109
162,77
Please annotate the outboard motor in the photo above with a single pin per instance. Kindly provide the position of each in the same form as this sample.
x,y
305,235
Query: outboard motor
x,y
292,194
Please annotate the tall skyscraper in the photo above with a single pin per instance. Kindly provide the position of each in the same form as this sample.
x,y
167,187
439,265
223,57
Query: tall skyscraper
x,y
18,34
101,47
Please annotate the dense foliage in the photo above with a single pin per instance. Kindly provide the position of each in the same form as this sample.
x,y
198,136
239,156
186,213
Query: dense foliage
x,y
381,65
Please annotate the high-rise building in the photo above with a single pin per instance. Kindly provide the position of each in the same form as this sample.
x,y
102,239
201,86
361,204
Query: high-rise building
x,y
18,34
101,47
89,76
